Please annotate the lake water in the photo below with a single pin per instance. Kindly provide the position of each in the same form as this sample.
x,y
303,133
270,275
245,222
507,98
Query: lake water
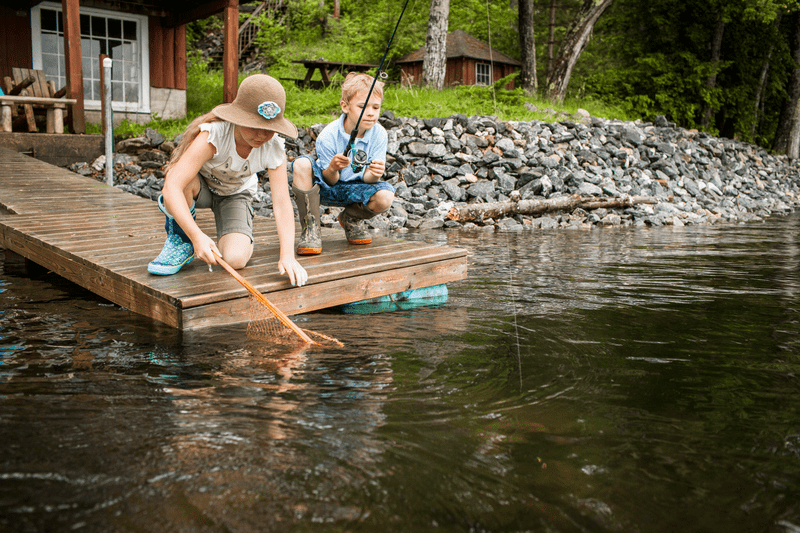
x,y
600,380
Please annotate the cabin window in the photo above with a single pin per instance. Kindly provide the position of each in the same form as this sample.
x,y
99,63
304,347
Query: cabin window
x,y
483,73
120,36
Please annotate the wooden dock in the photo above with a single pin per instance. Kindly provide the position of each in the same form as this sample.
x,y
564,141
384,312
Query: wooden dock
x,y
102,238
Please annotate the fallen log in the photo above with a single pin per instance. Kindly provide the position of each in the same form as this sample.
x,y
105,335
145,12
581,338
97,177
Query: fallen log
x,y
535,206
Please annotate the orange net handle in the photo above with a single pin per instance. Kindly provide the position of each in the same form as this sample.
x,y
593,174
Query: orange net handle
x,y
263,300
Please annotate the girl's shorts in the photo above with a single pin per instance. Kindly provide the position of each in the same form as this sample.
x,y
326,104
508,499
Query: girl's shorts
x,y
232,214
344,193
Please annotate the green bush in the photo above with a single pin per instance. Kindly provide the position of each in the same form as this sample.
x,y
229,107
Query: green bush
x,y
203,86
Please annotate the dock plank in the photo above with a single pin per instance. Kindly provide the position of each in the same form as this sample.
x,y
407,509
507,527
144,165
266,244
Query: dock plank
x,y
102,238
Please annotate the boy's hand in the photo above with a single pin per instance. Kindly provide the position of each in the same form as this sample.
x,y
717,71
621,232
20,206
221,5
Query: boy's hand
x,y
339,162
374,171
331,174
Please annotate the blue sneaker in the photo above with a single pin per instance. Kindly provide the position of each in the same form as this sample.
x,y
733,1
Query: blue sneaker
x,y
178,250
173,256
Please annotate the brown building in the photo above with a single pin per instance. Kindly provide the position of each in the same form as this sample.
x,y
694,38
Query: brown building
x,y
146,40
469,62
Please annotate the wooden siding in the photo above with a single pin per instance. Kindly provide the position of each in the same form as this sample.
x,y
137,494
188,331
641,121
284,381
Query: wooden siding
x,y
460,71
15,39
167,55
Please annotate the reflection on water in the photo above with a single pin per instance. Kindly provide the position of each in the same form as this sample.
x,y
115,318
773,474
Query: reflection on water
x,y
603,380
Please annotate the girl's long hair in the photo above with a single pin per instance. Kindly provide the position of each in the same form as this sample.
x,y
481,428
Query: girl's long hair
x,y
191,133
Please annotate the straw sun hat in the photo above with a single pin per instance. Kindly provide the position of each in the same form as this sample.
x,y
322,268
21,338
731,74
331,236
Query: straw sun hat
x,y
258,104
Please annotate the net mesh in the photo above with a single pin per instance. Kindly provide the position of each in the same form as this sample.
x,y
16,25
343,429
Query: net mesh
x,y
264,325
267,322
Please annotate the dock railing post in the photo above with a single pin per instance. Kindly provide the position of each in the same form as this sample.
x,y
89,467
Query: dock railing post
x,y
108,121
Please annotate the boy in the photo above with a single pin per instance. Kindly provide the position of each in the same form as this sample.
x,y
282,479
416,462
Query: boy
x,y
333,180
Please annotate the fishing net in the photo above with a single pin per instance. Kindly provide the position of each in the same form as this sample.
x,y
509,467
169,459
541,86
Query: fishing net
x,y
267,326
267,322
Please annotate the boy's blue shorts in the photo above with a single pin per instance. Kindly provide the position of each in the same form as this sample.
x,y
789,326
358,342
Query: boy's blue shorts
x,y
345,193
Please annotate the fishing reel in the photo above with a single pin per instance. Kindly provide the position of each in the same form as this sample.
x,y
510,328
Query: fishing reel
x,y
360,160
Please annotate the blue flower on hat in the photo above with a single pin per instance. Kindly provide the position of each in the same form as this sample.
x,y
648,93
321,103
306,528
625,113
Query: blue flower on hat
x,y
269,110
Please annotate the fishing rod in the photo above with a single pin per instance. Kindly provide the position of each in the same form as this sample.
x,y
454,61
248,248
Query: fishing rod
x,y
362,160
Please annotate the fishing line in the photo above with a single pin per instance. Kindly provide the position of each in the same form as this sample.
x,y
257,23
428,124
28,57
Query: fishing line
x,y
378,73
491,57
514,306
508,239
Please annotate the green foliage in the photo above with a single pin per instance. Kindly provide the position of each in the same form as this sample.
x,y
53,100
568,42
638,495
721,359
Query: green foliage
x,y
645,59
305,107
271,37
204,86
661,63
767,10
168,128
360,35
306,18
198,28
657,84
492,21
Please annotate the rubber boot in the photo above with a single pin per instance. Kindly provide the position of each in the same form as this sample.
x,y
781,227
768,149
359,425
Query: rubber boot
x,y
178,250
308,211
352,220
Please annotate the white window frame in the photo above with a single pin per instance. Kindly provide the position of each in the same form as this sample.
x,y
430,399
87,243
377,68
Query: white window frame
x,y
483,75
143,106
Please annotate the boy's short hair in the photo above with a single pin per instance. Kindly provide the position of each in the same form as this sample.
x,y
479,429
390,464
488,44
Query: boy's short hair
x,y
358,81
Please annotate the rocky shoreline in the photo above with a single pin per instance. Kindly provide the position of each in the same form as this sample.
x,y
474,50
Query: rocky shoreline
x,y
684,176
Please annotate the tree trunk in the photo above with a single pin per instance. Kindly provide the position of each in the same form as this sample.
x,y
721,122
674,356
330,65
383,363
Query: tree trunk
x,y
434,63
551,37
535,206
572,47
762,82
716,54
527,44
787,123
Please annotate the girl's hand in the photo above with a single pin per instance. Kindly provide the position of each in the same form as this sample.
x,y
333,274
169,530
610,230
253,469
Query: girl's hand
x,y
297,274
204,249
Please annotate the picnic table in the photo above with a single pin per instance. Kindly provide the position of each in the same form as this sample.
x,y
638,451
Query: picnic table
x,y
326,69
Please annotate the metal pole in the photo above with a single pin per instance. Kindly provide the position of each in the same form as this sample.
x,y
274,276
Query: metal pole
x,y
108,121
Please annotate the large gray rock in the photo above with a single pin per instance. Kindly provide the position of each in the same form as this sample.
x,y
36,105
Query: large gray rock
x,y
482,189
696,178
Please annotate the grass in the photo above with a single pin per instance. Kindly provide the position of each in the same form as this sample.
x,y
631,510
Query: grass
x,y
306,107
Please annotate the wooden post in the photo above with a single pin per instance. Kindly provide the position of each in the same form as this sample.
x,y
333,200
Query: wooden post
x,y
230,57
58,118
103,92
108,119
180,57
72,57
51,120
5,117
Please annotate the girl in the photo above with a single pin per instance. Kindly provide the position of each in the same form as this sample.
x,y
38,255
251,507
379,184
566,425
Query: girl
x,y
215,166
